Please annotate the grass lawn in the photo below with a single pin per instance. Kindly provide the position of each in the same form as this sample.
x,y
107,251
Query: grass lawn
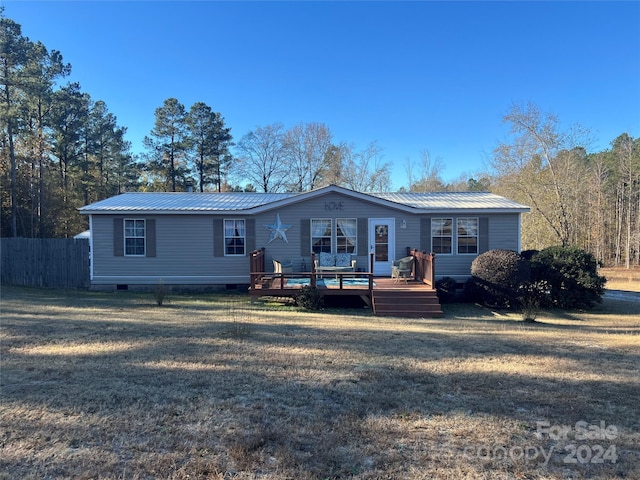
x,y
109,385
622,278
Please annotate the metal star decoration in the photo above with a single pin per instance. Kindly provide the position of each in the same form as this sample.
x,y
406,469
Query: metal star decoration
x,y
278,229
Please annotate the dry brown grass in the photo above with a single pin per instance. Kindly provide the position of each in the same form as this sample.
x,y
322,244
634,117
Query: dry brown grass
x,y
109,385
622,278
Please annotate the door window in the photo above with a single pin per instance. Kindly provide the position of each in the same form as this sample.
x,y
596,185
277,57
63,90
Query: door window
x,y
381,243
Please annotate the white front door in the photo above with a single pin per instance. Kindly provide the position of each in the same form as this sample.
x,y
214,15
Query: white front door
x,y
382,243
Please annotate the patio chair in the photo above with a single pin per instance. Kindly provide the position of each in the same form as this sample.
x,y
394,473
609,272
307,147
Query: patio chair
x,y
334,263
282,266
402,268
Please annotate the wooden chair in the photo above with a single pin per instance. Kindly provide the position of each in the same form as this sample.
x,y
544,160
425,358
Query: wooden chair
x,y
282,267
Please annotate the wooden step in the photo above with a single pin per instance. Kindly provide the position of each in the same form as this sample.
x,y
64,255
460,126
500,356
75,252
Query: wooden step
x,y
399,302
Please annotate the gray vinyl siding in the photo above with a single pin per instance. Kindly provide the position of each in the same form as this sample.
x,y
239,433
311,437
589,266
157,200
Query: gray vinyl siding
x,y
184,253
331,206
502,234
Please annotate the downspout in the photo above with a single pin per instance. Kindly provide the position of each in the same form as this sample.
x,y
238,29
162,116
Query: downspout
x,y
91,248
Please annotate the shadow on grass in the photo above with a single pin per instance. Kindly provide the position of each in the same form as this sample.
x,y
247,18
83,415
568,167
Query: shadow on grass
x,y
301,397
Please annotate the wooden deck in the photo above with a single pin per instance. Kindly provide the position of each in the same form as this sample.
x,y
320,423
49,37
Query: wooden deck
x,y
386,296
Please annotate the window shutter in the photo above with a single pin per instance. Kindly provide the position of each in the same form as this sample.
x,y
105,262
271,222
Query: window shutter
x,y
305,237
218,238
483,234
425,234
363,236
118,237
250,234
150,247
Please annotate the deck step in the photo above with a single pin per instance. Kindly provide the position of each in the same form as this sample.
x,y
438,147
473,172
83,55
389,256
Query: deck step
x,y
394,302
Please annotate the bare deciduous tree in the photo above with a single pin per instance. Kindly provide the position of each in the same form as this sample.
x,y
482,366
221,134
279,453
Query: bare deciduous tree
x,y
259,159
305,155
430,174
364,170
539,166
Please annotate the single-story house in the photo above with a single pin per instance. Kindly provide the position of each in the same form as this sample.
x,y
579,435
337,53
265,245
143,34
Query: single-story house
x,y
206,238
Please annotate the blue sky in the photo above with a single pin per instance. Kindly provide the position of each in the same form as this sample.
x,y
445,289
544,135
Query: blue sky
x,y
412,76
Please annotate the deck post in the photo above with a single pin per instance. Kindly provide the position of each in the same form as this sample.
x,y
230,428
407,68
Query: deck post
x,y
371,262
371,254
313,269
432,277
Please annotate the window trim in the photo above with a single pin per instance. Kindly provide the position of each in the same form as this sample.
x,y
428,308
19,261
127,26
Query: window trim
x,y
311,237
477,235
355,242
431,233
125,236
243,237
333,234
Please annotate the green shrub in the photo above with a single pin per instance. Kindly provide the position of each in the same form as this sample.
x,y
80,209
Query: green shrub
x,y
571,275
446,289
498,276
310,298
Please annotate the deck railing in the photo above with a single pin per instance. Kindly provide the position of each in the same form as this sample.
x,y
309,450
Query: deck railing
x,y
341,275
424,262
424,266
256,267
259,278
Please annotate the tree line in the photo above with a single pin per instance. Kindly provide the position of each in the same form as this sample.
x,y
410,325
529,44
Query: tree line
x,y
60,149
587,200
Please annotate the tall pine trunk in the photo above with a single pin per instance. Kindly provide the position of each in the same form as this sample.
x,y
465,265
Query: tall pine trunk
x,y
12,160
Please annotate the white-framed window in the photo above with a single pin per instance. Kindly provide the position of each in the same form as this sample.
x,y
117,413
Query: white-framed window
x,y
134,237
346,235
442,235
321,235
341,238
468,235
234,237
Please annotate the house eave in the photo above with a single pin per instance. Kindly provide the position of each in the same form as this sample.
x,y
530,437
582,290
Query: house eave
x,y
472,211
466,207
257,210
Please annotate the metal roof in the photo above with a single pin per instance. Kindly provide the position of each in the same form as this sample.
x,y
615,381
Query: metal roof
x,y
167,203
183,202
451,200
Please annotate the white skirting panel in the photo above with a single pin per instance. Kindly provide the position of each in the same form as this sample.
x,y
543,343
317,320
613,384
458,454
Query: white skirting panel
x,y
169,280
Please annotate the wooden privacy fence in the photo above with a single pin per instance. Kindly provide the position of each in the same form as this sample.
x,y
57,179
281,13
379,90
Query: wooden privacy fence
x,y
45,262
